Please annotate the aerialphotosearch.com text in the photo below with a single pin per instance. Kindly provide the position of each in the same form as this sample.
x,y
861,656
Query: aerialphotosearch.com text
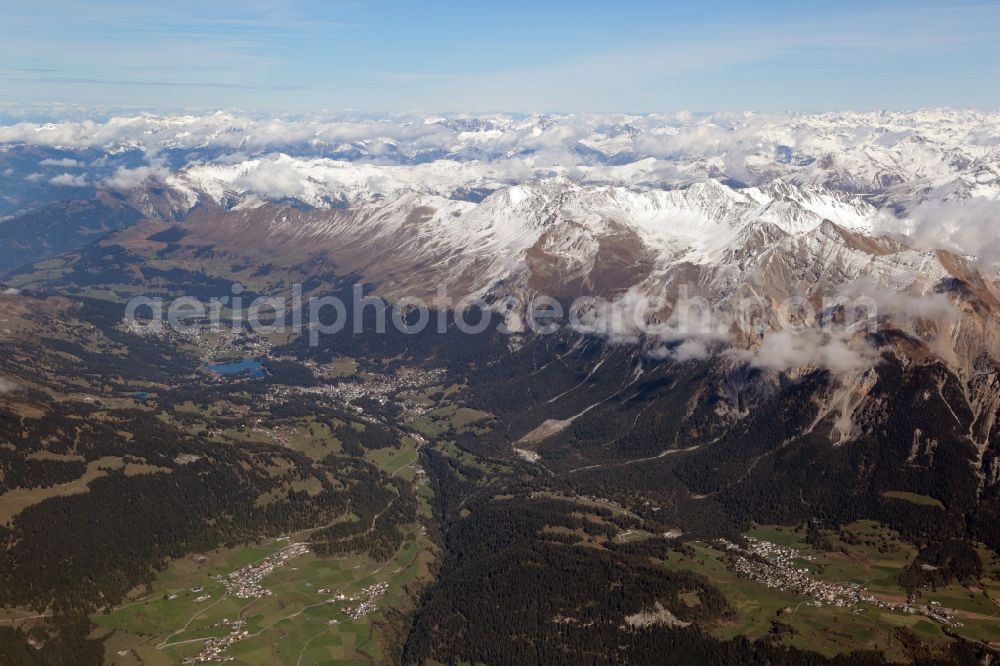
x,y
629,315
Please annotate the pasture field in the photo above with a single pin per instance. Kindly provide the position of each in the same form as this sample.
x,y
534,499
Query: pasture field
x,y
308,612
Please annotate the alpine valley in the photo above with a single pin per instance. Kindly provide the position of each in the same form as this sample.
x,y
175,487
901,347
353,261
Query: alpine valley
x,y
760,424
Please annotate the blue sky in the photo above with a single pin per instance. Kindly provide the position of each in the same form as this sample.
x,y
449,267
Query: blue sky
x,y
502,56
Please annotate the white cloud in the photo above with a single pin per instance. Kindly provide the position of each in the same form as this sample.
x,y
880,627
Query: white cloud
x,y
784,350
125,178
621,321
966,226
690,332
692,349
904,309
65,162
69,180
273,179
7,386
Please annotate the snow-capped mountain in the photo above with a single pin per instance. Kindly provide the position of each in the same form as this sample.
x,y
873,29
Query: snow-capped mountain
x,y
728,208
702,225
770,246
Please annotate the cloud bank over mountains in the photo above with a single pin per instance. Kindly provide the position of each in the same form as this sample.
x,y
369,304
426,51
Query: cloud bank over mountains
x,y
401,137
945,151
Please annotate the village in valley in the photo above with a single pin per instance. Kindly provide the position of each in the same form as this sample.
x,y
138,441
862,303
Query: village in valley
x,y
245,583
783,568
248,583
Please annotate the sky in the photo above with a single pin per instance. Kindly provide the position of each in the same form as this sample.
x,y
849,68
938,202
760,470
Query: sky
x,y
386,56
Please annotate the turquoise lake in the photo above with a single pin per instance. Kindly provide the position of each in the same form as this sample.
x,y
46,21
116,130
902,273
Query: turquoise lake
x,y
250,365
